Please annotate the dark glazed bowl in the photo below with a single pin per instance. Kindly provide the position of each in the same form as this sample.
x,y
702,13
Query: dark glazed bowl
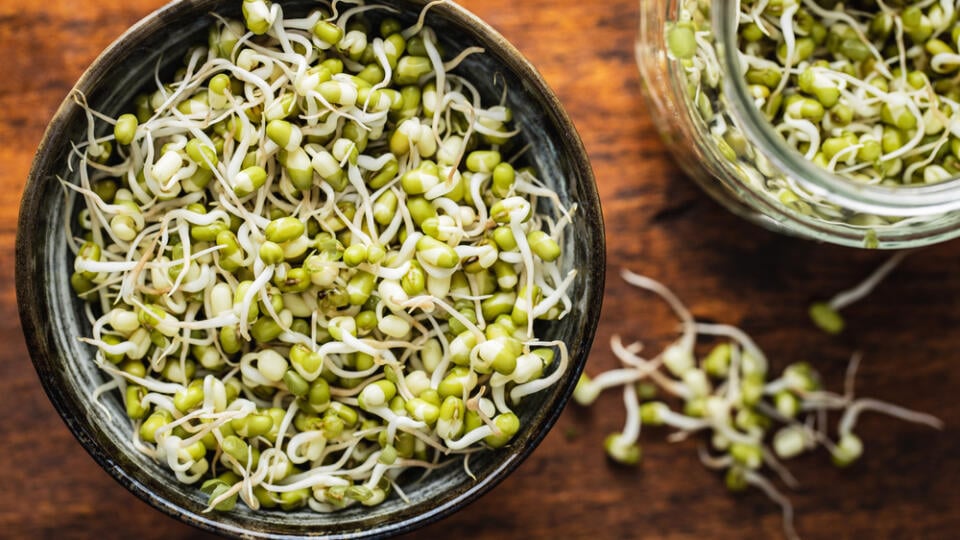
x,y
52,317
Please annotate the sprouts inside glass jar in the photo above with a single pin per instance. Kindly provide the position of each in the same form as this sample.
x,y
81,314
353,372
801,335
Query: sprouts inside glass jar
x,y
833,122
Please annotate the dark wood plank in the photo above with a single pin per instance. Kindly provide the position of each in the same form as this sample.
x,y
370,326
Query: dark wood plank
x,y
659,224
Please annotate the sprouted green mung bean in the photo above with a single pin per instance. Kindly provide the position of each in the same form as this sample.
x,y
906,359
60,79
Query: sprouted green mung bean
x,y
865,89
826,314
310,264
752,420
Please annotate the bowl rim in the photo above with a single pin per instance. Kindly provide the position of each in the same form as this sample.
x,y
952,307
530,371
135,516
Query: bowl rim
x,y
32,318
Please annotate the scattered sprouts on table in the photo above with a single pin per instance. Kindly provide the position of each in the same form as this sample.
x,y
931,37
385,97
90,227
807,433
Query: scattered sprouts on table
x,y
751,419
826,315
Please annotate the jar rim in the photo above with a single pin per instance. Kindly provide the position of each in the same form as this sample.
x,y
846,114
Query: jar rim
x,y
918,200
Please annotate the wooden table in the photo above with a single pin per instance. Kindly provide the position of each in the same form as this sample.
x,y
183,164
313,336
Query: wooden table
x,y
659,224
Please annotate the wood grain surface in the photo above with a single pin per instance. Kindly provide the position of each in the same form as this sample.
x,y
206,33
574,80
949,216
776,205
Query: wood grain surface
x,y
659,224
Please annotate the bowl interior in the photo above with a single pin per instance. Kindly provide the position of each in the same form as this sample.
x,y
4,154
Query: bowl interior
x,y
53,318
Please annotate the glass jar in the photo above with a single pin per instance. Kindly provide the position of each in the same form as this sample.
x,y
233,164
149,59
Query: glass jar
x,y
723,141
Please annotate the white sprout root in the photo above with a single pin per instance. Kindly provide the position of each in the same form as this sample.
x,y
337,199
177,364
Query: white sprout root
x,y
847,297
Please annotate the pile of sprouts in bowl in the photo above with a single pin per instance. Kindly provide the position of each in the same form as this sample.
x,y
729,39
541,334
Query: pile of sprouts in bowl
x,y
313,260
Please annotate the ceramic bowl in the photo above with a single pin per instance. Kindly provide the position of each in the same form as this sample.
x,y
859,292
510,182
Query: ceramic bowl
x,y
53,319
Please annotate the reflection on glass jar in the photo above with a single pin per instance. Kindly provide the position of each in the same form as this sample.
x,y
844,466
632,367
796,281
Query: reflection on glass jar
x,y
826,137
